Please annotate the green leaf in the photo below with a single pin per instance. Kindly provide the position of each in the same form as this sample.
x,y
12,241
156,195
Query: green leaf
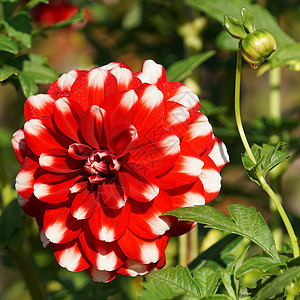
x,y
10,224
234,27
7,71
248,19
217,9
225,41
178,279
156,290
277,285
287,56
7,44
257,263
19,27
77,18
28,85
36,68
245,222
218,297
9,6
183,68
227,281
207,280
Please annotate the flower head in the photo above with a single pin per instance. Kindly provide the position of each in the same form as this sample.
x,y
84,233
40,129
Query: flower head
x,y
103,154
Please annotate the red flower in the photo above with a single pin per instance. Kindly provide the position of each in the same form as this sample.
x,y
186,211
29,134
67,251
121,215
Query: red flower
x,y
103,155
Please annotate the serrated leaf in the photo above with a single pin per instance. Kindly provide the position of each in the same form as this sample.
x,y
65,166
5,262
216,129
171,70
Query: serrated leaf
x,y
178,279
287,56
257,262
156,290
207,280
183,68
248,19
36,68
7,71
234,27
77,18
227,281
28,85
7,44
218,297
246,222
277,285
19,27
217,9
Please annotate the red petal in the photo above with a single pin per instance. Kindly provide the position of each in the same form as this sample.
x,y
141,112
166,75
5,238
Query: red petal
x,y
151,107
19,145
199,134
38,106
70,256
145,220
219,154
104,256
32,206
39,137
54,188
25,178
188,195
125,79
186,169
65,82
95,127
180,227
60,226
178,118
140,250
101,276
67,116
210,179
91,88
83,204
109,224
114,193
58,160
157,150
142,183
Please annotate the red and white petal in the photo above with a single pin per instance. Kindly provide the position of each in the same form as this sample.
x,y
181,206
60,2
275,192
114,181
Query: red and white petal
x,y
143,185
39,137
114,193
104,256
19,145
121,107
125,79
211,179
59,161
38,106
178,92
25,178
133,268
95,127
46,243
70,256
32,206
152,72
54,187
141,250
188,195
64,82
186,169
91,88
109,224
199,134
101,276
67,116
219,154
156,150
60,226
113,65
151,107
145,220
83,204
178,118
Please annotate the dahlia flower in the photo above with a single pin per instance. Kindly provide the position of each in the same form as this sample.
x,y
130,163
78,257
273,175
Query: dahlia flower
x,y
103,155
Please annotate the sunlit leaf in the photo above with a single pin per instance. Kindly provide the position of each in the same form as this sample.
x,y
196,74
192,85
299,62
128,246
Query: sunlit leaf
x,y
248,19
7,44
28,85
6,71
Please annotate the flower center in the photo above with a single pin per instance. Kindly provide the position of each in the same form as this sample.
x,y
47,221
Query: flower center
x,y
101,164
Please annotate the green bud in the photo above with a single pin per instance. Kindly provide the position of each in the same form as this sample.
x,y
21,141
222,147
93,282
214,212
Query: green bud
x,y
257,46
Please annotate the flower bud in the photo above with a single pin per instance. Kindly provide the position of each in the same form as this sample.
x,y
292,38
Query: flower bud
x,y
257,46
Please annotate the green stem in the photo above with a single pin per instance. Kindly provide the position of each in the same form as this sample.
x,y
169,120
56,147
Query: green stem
x,y
260,177
28,273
